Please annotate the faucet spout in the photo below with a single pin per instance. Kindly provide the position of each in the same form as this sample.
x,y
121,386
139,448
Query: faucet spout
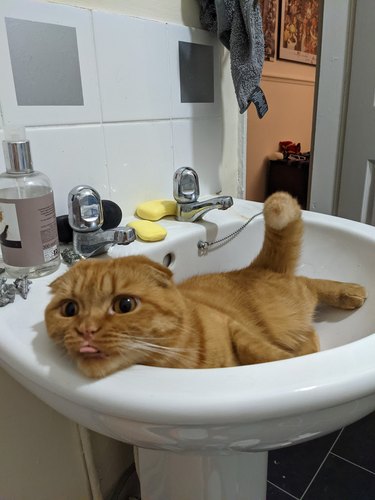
x,y
186,193
191,212
98,242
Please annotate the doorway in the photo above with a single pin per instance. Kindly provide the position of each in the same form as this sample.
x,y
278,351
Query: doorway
x,y
289,87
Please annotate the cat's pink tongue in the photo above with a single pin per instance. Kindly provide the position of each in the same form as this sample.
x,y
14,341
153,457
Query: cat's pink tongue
x,y
88,348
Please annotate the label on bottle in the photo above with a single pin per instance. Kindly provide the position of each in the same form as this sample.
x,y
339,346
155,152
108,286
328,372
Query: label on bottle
x,y
28,231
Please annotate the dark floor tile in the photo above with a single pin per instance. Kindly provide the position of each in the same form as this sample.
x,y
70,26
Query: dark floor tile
x,y
357,443
274,493
341,480
293,468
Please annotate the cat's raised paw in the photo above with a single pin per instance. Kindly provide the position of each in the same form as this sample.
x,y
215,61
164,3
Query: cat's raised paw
x,y
352,296
280,209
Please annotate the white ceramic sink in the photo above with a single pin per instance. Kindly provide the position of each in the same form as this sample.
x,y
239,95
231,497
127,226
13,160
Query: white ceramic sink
x,y
211,417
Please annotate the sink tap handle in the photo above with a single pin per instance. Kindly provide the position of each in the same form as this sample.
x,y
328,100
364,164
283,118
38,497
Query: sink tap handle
x,y
185,185
85,209
124,235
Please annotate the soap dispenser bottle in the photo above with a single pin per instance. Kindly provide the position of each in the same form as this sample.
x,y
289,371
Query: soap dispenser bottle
x,y
28,229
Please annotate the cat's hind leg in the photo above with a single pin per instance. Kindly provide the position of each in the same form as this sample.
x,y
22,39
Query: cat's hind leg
x,y
337,293
283,234
252,349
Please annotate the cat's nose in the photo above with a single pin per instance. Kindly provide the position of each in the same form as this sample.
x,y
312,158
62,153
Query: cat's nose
x,y
88,331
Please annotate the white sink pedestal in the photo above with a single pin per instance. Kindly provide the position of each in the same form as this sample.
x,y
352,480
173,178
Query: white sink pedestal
x,y
165,475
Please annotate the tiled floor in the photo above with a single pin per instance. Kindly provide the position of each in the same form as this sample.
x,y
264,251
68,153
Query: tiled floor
x,y
339,466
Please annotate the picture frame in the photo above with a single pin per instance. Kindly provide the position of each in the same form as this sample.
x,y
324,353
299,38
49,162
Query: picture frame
x,y
298,30
270,14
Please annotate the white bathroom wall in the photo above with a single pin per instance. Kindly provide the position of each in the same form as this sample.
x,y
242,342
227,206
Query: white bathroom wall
x,y
183,12
132,130
232,165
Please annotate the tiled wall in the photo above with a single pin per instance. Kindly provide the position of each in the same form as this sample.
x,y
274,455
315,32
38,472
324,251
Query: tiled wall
x,y
105,99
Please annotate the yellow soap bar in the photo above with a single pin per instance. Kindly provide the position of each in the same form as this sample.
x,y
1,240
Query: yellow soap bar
x,y
147,230
156,209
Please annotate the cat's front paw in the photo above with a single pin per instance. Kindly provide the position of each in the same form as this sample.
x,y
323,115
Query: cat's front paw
x,y
280,209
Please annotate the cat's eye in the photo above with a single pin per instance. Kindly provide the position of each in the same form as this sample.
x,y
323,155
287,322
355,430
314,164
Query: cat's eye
x,y
124,304
69,308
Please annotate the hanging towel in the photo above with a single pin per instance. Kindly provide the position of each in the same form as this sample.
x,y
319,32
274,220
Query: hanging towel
x,y
238,25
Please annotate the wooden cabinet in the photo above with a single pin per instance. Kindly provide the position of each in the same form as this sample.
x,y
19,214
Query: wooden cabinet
x,y
291,176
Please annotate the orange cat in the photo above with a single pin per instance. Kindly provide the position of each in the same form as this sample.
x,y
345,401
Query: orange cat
x,y
111,314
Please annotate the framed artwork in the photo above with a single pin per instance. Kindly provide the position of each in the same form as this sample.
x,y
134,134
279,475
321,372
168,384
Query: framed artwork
x,y
270,13
298,33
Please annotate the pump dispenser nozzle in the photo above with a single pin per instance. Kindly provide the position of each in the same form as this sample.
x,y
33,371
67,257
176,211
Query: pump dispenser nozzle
x,y
17,152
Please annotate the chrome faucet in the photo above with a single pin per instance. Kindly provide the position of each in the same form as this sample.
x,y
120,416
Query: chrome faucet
x,y
85,213
186,193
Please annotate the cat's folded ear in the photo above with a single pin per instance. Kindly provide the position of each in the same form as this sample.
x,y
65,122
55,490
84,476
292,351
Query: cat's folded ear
x,y
58,283
161,274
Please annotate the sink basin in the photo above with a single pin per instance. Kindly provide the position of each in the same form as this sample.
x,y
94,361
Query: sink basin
x,y
199,423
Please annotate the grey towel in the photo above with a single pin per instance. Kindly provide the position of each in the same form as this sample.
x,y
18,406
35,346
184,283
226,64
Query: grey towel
x,y
238,24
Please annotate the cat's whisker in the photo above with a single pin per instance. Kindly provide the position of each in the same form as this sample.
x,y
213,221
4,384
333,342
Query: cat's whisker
x,y
158,346
155,348
134,340
170,352
136,335
148,339
143,344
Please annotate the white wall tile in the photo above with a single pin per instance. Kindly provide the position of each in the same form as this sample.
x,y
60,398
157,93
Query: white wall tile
x,y
140,162
197,143
133,67
79,19
70,156
178,33
139,80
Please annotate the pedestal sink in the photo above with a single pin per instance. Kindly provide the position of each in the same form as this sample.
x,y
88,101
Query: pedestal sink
x,y
204,434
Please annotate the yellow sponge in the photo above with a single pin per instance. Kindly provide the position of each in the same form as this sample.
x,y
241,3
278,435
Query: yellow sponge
x,y
147,230
156,209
